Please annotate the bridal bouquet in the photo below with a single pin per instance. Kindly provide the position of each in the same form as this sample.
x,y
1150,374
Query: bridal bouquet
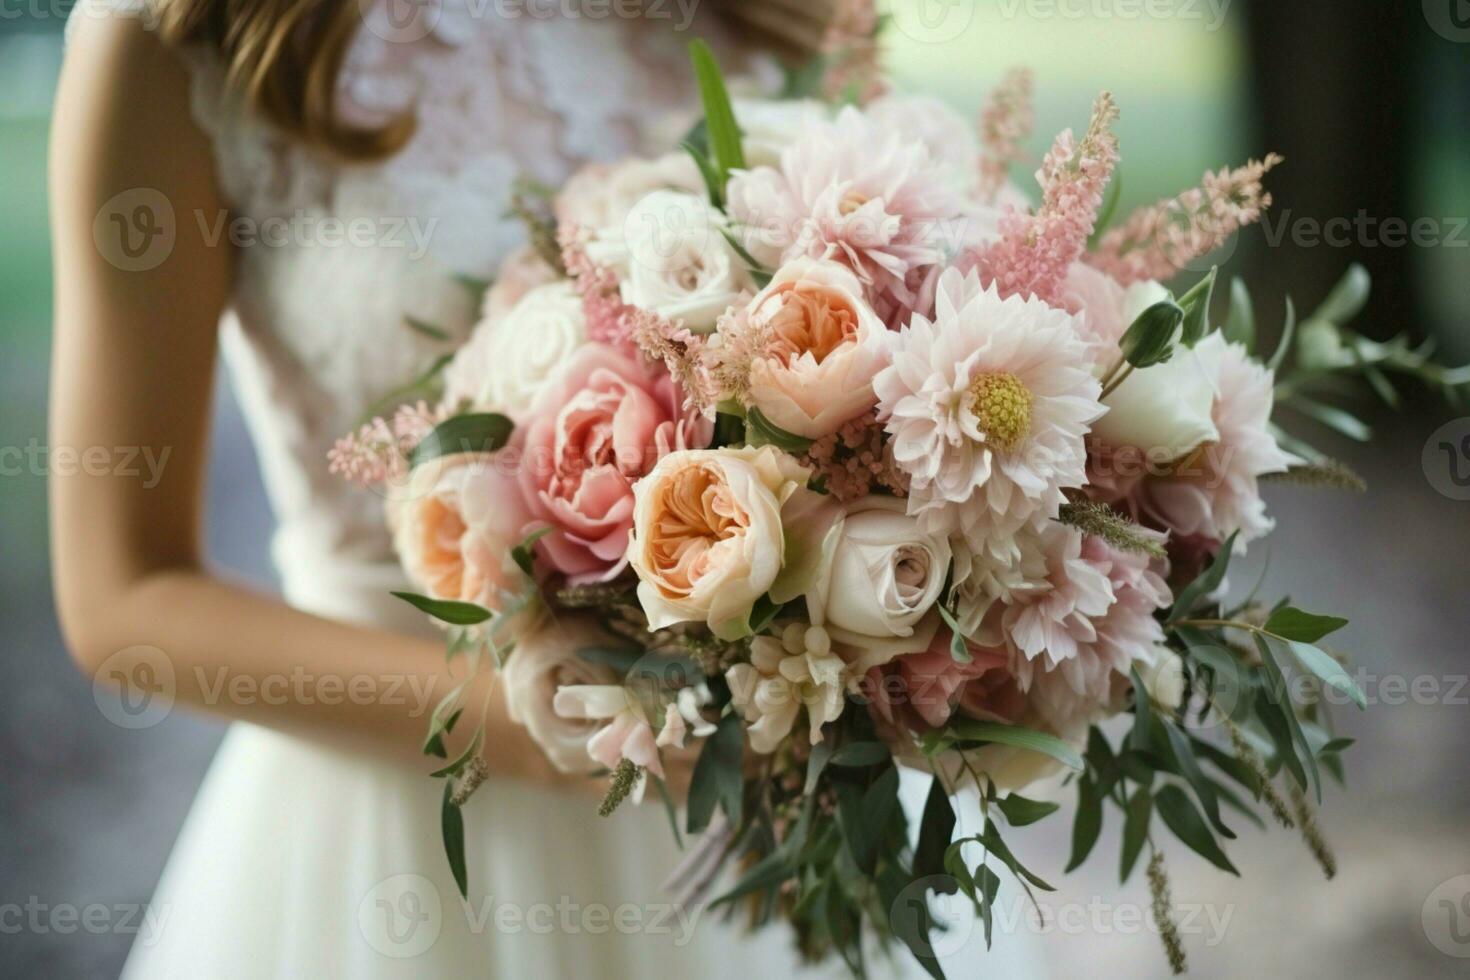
x,y
822,449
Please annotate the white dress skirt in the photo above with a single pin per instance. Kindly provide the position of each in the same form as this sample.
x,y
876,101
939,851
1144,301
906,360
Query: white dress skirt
x,y
299,860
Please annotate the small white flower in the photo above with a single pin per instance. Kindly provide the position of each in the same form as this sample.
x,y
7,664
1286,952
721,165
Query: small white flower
x,y
783,676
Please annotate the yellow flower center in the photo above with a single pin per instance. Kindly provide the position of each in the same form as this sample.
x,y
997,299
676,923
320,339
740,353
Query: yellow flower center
x,y
1002,408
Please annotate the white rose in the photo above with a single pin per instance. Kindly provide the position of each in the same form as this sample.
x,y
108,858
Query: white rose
x,y
1165,409
1163,676
883,576
543,662
769,126
673,259
508,359
708,536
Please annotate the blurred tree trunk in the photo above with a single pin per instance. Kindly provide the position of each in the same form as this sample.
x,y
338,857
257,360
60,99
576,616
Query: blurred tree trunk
x,y
1332,93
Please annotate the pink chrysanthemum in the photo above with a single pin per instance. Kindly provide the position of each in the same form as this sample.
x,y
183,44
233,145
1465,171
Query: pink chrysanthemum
x,y
988,406
1080,631
855,193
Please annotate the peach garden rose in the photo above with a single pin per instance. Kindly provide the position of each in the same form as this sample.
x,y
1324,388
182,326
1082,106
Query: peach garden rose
x,y
708,538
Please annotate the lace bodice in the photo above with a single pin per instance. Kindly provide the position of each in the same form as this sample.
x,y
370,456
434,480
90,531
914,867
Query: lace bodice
x,y
334,257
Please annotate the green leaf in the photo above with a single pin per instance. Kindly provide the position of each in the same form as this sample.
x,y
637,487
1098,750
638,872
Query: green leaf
x,y
1288,333
1088,824
451,825
971,730
1021,812
1291,623
1140,739
1150,338
768,872
1280,695
457,766
764,432
446,610
427,329
1326,667
759,273
1347,298
669,808
713,184
959,650
717,776
936,830
1135,830
1208,581
861,754
990,839
1196,306
1189,768
1240,326
523,555
719,115
1184,820
479,433
1344,423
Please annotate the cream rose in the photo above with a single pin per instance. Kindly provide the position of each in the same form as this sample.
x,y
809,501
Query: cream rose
x,y
672,258
509,358
882,574
454,530
544,661
1165,410
708,539
822,346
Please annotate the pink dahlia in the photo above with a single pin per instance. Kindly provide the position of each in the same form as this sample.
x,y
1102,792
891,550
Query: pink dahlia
x,y
988,406
856,193
1079,632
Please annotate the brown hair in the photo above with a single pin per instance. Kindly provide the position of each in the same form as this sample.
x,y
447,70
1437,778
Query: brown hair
x,y
284,56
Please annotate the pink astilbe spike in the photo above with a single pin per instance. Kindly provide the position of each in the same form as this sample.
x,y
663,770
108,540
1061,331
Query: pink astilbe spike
x,y
378,451
1006,121
853,57
1035,251
683,352
1157,241
607,320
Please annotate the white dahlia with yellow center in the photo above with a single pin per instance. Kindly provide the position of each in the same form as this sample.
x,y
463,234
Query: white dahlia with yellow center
x,y
988,405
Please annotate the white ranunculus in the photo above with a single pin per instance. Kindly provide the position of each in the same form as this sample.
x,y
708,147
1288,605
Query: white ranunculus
x,y
769,126
543,662
1166,409
509,358
883,574
673,259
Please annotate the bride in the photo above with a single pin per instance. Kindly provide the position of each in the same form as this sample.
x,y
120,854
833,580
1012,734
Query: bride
x,y
291,184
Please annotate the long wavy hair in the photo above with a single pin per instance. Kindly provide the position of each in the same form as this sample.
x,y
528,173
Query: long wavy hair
x,y
284,56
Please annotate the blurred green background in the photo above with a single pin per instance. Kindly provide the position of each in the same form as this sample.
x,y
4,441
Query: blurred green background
x,y
1371,105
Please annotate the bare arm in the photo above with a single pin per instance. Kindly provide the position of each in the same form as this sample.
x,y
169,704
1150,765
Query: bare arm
x,y
133,367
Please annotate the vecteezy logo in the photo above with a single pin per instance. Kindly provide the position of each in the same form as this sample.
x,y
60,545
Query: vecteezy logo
x,y
1450,19
404,21
134,688
401,916
1446,917
935,927
135,230
1446,459
932,21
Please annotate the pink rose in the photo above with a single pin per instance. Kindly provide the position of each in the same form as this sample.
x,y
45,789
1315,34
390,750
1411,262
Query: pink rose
x,y
922,691
599,425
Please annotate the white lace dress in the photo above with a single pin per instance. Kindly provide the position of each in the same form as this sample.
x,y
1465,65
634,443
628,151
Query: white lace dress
x,y
302,861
